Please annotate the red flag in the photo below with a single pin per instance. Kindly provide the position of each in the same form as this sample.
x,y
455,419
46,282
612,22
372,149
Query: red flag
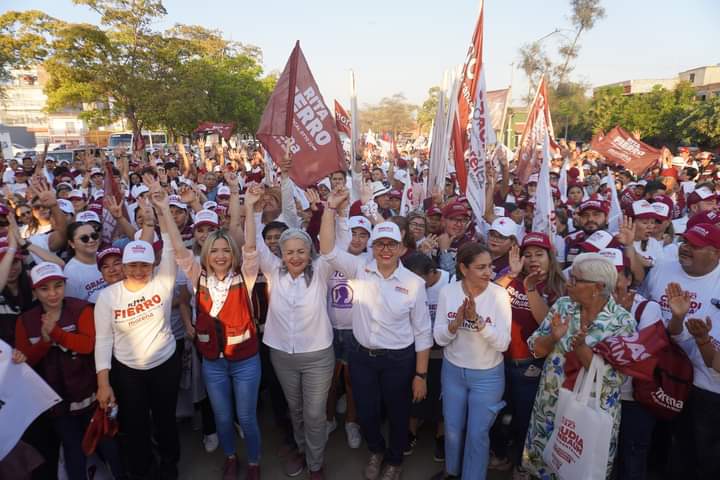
x,y
223,129
621,148
527,158
138,143
466,100
296,110
111,188
342,120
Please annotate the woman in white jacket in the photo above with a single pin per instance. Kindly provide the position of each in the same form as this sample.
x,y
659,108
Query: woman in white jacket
x,y
472,323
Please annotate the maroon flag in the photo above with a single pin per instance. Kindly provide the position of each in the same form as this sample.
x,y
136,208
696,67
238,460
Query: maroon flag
x,y
528,157
621,148
297,111
111,188
498,102
225,130
138,143
342,120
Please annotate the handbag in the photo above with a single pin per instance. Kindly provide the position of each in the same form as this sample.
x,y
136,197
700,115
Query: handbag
x,y
101,425
580,442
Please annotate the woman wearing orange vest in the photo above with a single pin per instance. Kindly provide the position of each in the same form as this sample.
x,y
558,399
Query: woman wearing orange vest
x,y
225,336
58,339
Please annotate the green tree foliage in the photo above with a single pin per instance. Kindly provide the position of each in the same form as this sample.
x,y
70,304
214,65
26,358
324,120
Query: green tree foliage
x,y
426,112
392,114
123,68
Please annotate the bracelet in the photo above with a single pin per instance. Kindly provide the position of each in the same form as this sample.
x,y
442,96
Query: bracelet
x,y
530,289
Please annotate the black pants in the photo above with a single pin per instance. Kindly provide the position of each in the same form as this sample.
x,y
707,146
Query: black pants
x,y
636,429
140,393
698,439
383,380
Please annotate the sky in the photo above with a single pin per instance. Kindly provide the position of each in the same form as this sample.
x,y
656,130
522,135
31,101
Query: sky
x,y
405,46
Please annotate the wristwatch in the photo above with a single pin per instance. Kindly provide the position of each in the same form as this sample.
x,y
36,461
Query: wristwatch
x,y
421,375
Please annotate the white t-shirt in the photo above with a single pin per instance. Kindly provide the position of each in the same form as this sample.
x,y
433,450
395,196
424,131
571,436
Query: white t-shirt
x,y
433,293
470,347
84,281
703,290
134,327
653,251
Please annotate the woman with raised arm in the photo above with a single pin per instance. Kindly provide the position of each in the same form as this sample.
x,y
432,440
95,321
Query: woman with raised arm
x,y
225,335
298,332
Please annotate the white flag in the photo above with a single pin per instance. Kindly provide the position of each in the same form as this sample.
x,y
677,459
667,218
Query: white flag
x,y
544,215
355,119
562,182
482,136
616,216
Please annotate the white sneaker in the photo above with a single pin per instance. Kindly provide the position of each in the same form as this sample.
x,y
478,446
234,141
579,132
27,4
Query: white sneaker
x,y
211,442
331,425
341,405
354,438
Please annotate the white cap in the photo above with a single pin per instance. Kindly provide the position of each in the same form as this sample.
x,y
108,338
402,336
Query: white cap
x,y
533,178
614,255
96,171
202,187
79,194
66,206
358,221
87,216
138,190
499,211
223,191
209,205
599,240
44,272
400,175
138,251
505,226
217,169
643,209
325,182
64,184
386,230
678,162
206,217
98,194
379,188
175,201
661,209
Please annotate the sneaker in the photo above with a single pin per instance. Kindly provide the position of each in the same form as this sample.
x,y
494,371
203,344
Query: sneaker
x,y
211,442
412,441
354,438
439,453
391,472
295,464
497,463
253,472
317,475
372,469
230,470
341,405
331,425
520,473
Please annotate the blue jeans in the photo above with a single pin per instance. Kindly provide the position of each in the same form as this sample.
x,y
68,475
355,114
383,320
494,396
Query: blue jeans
x,y
222,379
471,400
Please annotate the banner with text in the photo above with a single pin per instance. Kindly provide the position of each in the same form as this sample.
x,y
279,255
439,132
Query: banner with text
x,y
528,156
620,148
342,120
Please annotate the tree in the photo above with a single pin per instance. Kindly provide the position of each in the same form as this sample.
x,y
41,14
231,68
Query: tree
x,y
426,113
392,114
702,125
584,15
568,102
534,62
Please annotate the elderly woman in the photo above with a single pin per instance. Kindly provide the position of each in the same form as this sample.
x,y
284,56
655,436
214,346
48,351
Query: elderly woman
x,y
574,324
298,332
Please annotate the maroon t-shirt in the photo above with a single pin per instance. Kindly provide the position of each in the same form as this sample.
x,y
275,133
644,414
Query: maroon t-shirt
x,y
523,323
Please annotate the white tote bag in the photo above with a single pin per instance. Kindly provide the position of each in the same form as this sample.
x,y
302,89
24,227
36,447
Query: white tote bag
x,y
580,443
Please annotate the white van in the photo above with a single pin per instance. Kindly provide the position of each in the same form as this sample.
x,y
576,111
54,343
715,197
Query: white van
x,y
125,139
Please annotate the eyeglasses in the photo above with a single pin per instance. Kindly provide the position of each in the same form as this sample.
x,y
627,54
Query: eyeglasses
x,y
86,238
385,246
417,225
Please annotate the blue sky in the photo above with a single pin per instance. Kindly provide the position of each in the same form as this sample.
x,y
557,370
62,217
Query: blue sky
x,y
405,45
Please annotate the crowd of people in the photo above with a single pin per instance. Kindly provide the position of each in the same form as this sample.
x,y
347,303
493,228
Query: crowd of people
x,y
127,278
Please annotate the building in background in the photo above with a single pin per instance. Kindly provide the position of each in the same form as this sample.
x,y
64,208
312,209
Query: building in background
x,y
705,80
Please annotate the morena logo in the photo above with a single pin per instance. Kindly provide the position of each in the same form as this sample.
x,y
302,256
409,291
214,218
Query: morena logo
x,y
702,231
138,249
385,229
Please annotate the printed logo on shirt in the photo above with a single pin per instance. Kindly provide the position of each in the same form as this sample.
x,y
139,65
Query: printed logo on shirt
x,y
474,326
139,310
695,305
402,290
92,287
341,296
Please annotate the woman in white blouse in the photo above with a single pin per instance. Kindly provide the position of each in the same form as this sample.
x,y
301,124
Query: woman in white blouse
x,y
473,324
298,332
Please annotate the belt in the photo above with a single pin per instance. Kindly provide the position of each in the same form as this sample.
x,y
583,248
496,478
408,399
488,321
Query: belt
x,y
379,352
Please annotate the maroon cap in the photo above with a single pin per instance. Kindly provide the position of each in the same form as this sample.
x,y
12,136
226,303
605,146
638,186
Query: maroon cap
x,y
20,171
536,239
699,195
710,217
106,252
433,211
595,204
664,199
455,209
703,235
395,194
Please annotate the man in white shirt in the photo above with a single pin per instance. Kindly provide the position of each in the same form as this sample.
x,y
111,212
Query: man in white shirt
x,y
686,288
392,337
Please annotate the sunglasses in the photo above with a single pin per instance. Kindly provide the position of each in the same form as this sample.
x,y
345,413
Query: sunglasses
x,y
86,238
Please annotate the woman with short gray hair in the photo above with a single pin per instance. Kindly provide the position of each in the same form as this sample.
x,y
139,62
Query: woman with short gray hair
x,y
298,332
573,325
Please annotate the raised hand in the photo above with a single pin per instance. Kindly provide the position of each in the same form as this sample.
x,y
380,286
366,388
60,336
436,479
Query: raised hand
x,y
533,278
428,244
231,180
516,261
337,198
18,356
558,327
112,206
148,216
459,317
365,192
578,340
678,300
187,194
46,195
313,198
253,195
286,162
444,241
699,329
626,236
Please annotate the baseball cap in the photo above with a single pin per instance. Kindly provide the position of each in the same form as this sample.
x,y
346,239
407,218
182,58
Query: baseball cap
x,y
175,201
455,209
138,251
433,211
505,226
642,209
700,194
662,211
223,191
386,230
400,175
87,216
594,204
66,206
95,171
358,221
664,199
206,217
76,195
138,190
20,171
615,255
533,178
209,205
65,185
710,217
45,272
703,235
536,239
395,194
378,189
107,252
597,241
